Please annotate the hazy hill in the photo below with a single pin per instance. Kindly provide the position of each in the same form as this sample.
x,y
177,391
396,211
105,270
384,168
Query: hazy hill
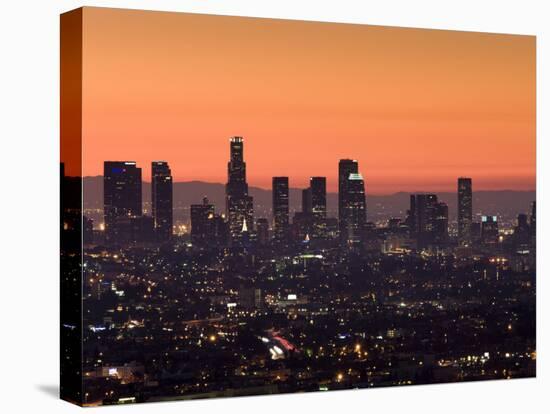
x,y
506,203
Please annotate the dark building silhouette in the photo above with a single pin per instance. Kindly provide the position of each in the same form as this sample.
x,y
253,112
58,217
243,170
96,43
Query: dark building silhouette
x,y
476,232
441,224
239,205
428,220
464,210
121,198
142,229
345,168
489,230
87,230
354,210
207,227
202,222
262,231
161,197
318,196
302,226
522,236
306,200
318,191
250,297
280,208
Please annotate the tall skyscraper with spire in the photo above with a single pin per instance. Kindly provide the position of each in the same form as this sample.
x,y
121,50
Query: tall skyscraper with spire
x,y
464,211
239,205
161,197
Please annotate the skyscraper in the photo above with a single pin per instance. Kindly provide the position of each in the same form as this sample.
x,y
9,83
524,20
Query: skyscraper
x,y
441,223
423,215
306,200
464,211
262,231
345,168
121,197
202,223
318,188
239,205
318,197
161,196
354,210
280,208
489,230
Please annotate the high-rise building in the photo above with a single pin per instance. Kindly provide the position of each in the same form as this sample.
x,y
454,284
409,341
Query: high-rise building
x,y
306,200
522,236
262,231
280,208
318,190
239,205
464,211
161,197
345,168
489,230
202,222
428,219
121,198
354,210
318,196
441,223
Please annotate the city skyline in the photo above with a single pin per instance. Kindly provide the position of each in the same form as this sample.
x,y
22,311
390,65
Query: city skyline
x,y
293,272
332,180
413,123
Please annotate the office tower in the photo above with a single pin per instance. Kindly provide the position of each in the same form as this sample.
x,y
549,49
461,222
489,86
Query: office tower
x,y
345,168
302,226
464,211
423,211
489,230
202,222
121,198
475,232
441,223
221,230
262,231
141,229
318,196
239,205
280,208
318,191
522,222
87,230
306,200
161,197
250,297
522,232
354,210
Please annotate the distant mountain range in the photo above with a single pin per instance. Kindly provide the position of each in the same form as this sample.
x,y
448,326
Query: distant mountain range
x,y
506,203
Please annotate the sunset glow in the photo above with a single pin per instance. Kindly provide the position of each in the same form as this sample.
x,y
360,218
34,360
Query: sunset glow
x,y
417,108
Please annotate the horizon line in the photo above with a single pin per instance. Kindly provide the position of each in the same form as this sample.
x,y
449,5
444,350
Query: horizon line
x,y
336,192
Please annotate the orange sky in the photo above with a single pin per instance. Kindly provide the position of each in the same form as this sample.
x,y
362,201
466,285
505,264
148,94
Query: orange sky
x,y
416,108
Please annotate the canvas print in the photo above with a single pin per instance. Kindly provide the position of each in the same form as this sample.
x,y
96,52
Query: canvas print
x,y
259,206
